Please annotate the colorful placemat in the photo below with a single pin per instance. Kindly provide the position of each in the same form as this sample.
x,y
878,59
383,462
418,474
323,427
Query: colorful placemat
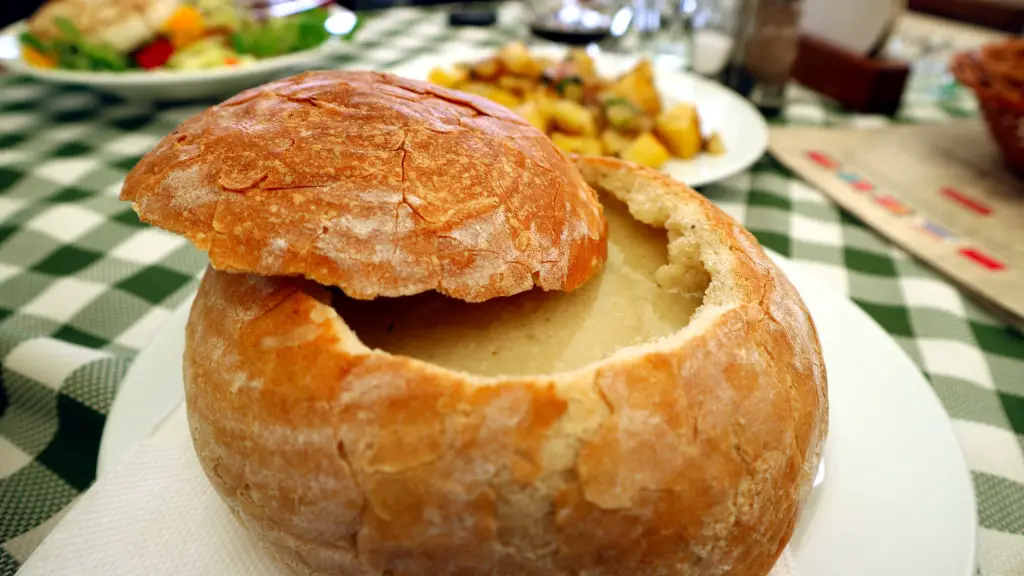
x,y
939,191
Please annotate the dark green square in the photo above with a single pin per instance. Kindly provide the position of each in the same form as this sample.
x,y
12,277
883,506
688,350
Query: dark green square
x,y
999,340
73,451
848,218
132,123
126,163
894,319
762,198
8,177
76,115
6,231
869,262
768,163
70,195
773,240
1014,407
130,218
66,260
8,141
72,149
4,313
20,106
155,283
76,336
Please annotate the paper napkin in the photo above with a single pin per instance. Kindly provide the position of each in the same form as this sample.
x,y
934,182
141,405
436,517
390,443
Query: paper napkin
x,y
157,515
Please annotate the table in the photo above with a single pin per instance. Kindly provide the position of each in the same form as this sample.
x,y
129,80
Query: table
x,y
83,285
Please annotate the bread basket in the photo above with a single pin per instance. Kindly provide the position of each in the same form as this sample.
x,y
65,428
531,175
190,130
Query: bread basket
x,y
996,75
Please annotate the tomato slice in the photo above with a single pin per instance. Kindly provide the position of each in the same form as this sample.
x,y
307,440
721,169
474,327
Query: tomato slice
x,y
155,54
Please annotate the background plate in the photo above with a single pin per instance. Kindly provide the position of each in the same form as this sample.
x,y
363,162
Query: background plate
x,y
178,85
743,129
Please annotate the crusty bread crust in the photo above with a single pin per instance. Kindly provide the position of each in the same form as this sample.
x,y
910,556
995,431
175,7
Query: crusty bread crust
x,y
691,455
379,185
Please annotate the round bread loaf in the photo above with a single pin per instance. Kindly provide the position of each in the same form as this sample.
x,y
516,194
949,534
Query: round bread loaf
x,y
376,184
690,454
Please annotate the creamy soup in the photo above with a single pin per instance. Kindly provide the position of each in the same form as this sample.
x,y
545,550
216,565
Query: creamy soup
x,y
536,332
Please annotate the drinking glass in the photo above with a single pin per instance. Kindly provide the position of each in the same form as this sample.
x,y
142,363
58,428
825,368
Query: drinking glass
x,y
714,25
577,22
748,45
662,30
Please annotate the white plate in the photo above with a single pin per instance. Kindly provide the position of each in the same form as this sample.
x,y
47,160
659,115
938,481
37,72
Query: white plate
x,y
743,129
178,85
896,498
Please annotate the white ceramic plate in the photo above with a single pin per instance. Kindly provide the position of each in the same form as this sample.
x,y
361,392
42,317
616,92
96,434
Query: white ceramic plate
x,y
178,85
896,497
743,129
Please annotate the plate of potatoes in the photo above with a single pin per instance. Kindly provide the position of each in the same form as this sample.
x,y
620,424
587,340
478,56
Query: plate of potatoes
x,y
599,103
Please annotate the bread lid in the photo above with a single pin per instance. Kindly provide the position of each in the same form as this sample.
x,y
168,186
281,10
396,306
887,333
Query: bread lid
x,y
379,185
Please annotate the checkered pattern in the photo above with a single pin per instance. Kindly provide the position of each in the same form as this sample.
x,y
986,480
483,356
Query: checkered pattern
x,y
83,285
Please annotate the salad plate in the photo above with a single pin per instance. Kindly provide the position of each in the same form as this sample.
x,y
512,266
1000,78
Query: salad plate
x,y
179,85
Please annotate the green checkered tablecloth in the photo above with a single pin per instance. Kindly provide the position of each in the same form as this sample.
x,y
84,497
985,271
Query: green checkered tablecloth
x,y
84,285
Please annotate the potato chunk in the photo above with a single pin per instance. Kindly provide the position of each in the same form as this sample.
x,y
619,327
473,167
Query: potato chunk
x,y
646,150
679,128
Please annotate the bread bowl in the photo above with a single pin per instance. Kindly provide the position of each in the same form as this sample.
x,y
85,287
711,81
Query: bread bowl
x,y
661,414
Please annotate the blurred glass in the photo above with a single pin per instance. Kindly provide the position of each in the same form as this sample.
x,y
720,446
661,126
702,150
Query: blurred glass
x,y
748,45
929,60
714,29
663,31
577,22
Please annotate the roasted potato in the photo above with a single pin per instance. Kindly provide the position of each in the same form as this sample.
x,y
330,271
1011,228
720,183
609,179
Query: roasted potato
x,y
532,113
493,93
637,86
574,118
622,114
679,128
713,145
570,88
517,60
582,63
614,142
544,100
646,150
517,85
487,70
581,111
448,78
569,144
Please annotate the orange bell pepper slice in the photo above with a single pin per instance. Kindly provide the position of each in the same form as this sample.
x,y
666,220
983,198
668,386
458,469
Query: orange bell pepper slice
x,y
185,26
38,59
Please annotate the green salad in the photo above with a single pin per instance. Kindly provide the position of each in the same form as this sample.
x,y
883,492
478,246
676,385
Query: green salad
x,y
198,35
